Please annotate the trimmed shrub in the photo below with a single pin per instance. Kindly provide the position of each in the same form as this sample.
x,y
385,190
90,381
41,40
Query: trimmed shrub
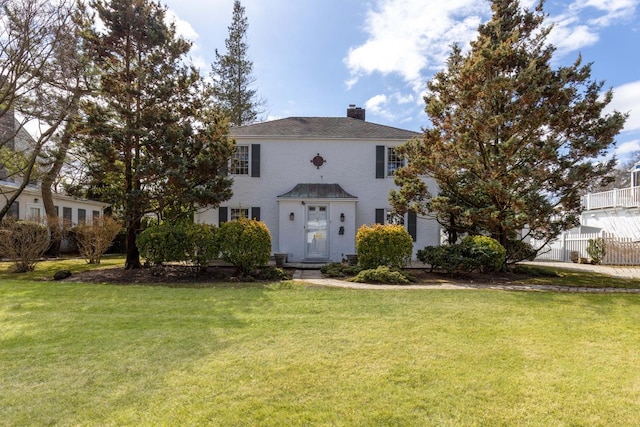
x,y
181,242
337,269
245,243
488,253
24,242
597,249
382,274
473,253
94,239
383,245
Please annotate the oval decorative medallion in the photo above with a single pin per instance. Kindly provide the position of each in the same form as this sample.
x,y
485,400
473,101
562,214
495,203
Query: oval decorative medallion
x,y
318,161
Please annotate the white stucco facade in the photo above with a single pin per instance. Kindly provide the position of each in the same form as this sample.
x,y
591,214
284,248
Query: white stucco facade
x,y
319,220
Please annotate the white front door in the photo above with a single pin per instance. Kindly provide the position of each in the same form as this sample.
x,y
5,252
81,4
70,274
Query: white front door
x,y
317,245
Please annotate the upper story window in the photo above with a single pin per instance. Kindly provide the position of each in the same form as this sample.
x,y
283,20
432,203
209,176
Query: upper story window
x,y
240,161
394,161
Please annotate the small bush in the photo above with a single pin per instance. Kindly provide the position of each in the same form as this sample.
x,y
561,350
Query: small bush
x,y
271,273
597,249
473,253
245,243
94,239
383,245
488,253
337,269
23,242
183,242
382,274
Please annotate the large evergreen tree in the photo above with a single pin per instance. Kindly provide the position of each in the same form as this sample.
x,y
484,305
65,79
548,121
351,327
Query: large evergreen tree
x,y
232,74
154,140
512,141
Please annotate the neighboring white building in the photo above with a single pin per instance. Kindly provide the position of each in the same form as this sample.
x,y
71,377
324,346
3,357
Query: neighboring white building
x,y
315,180
70,210
616,211
29,204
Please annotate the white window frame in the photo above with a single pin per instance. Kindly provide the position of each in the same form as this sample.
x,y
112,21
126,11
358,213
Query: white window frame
x,y
391,218
240,163
394,162
237,213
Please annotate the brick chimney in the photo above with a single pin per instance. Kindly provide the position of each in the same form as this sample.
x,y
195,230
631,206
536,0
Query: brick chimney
x,y
355,112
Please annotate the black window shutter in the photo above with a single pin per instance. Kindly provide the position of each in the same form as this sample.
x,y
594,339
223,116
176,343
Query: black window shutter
x,y
255,160
412,225
223,215
379,216
255,214
379,161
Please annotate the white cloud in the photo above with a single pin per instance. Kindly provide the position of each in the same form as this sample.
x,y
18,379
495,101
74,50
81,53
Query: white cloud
x,y
626,99
628,147
408,37
183,28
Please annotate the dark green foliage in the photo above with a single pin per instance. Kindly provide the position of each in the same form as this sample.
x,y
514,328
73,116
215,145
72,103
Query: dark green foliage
x,y
382,274
271,273
182,242
517,251
473,253
245,243
488,253
597,249
152,138
337,269
512,142
231,74
389,245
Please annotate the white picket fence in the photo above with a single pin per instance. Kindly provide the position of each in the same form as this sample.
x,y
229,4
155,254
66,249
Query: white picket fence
x,y
619,250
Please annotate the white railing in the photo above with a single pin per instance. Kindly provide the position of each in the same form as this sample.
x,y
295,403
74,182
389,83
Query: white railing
x,y
624,197
619,250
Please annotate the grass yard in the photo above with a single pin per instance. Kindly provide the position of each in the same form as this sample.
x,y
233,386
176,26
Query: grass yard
x,y
283,354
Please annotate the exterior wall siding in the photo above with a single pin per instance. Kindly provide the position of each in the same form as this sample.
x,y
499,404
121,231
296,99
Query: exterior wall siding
x,y
287,162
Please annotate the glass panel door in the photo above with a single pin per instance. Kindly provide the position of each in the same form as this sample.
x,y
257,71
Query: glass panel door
x,y
316,232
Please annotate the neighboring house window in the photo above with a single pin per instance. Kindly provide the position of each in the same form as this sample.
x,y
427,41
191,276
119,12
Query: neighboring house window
x,y
240,161
34,214
236,214
394,161
14,210
96,215
57,208
66,216
82,216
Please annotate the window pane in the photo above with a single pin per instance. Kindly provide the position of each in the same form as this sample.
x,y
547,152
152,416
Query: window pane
x,y
82,216
239,213
394,161
240,161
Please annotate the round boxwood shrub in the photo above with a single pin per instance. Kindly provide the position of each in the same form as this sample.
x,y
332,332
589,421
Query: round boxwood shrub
x,y
245,243
488,253
383,245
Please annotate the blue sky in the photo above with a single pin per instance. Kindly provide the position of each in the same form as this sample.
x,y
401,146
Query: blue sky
x,y
315,57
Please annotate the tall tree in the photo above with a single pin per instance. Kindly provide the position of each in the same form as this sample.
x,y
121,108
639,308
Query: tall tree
x,y
232,74
33,74
149,129
512,142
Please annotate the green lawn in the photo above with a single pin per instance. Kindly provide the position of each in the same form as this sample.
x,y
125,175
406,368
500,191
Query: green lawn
x,y
282,354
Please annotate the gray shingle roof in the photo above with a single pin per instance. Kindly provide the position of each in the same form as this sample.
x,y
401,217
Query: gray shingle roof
x,y
317,191
322,127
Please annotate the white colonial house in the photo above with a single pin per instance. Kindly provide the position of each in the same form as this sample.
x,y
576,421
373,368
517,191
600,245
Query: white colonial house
x,y
314,181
